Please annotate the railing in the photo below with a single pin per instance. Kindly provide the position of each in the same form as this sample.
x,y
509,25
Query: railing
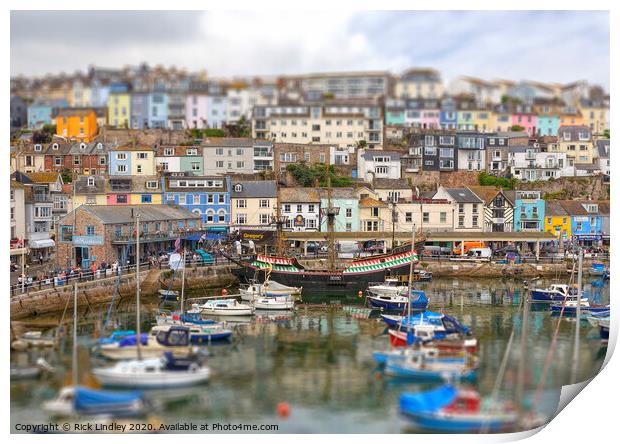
x,y
63,280
159,235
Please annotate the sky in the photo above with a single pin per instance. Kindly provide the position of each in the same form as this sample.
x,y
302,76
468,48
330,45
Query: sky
x,y
546,46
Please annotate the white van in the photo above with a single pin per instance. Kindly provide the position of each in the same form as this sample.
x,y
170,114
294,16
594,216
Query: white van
x,y
480,253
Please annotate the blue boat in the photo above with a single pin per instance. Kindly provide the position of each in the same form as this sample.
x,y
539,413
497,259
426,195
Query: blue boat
x,y
450,409
419,301
598,269
195,318
116,336
417,365
570,308
91,402
446,324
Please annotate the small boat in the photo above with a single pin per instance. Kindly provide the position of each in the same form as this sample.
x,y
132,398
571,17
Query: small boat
x,y
419,301
391,287
414,364
199,334
556,292
35,339
168,295
429,351
598,269
31,372
192,316
570,307
116,336
445,324
274,303
163,372
398,338
459,410
80,400
268,288
596,317
225,307
175,338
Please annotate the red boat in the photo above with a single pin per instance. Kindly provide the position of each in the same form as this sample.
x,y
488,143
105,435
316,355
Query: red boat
x,y
470,345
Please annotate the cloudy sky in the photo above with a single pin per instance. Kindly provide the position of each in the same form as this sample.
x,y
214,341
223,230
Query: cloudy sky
x,y
543,46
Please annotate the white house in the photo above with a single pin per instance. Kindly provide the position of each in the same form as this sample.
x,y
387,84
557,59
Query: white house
x,y
378,164
528,163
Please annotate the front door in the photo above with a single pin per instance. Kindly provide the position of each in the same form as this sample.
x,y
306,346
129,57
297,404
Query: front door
x,y
82,257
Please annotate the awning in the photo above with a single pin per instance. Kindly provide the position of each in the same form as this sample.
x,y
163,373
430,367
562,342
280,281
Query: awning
x,y
209,236
218,229
43,243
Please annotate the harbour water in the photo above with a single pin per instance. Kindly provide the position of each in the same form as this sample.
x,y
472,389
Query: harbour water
x,y
318,361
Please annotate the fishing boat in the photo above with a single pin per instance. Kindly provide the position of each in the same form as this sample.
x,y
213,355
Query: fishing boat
x,y
199,334
175,338
164,372
421,366
459,410
555,292
274,303
225,307
418,300
570,307
73,400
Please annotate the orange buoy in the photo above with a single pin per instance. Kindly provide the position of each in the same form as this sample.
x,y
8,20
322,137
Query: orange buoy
x,y
283,409
378,376
224,292
359,294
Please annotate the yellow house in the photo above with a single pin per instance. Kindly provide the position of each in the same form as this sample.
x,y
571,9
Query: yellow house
x,y
570,117
557,220
89,190
484,120
595,116
576,142
252,203
119,104
501,121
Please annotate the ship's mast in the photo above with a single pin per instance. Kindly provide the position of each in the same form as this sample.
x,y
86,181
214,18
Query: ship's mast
x,y
279,220
330,212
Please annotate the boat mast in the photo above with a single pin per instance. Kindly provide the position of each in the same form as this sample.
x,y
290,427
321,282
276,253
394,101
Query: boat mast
x,y
278,220
331,215
409,333
522,350
138,332
183,287
74,360
578,321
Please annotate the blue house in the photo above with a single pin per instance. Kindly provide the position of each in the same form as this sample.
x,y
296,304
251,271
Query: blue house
x,y
447,114
158,109
40,112
347,202
139,108
529,211
586,221
206,196
217,107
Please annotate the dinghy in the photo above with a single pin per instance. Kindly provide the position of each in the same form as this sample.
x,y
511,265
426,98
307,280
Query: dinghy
x,y
79,400
417,365
199,334
391,287
570,307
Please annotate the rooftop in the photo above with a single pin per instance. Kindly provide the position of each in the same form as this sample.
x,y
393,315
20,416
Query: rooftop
x,y
119,214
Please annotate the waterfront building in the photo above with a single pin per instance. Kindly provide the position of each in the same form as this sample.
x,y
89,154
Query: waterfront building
x,y
427,215
375,215
586,221
529,214
205,196
345,200
301,207
557,221
468,208
107,233
498,208
252,204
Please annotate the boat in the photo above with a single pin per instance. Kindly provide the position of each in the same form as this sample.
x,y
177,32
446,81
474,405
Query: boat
x,y
603,326
596,317
164,372
31,372
274,303
430,351
269,288
176,338
445,323
35,339
199,334
168,295
390,287
421,366
459,410
570,307
116,336
429,337
598,269
418,300
555,292
225,307
192,316
79,400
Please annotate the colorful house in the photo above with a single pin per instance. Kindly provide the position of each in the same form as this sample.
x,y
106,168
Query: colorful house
x,y
524,116
586,221
395,112
78,124
595,115
158,109
346,201
576,142
131,160
205,196
40,113
447,114
529,212
137,190
119,106
570,116
557,220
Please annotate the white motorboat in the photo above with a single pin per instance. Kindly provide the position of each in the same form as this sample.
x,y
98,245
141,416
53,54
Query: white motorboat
x,y
269,288
163,372
226,307
391,287
274,303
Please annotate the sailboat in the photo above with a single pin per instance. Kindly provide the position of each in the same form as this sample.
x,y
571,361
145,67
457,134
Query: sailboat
x,y
289,272
162,371
78,400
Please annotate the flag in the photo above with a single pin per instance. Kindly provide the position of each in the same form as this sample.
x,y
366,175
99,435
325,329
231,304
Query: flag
x,y
177,245
203,237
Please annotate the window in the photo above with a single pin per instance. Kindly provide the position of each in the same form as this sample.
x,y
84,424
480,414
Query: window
x,y
121,156
263,219
443,217
76,160
311,223
195,166
169,152
182,199
121,168
91,182
263,203
219,151
90,230
374,211
349,213
461,221
461,208
219,164
299,208
138,168
57,161
310,208
348,227
474,221
102,160
425,217
147,198
241,219
240,164
192,152
66,232
382,170
287,208
242,203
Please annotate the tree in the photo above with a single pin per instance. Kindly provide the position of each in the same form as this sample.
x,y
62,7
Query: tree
x,y
485,179
214,132
606,133
316,175
361,144
517,128
66,175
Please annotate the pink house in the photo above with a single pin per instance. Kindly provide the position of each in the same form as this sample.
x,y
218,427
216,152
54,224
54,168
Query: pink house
x,y
430,118
196,110
525,117
118,199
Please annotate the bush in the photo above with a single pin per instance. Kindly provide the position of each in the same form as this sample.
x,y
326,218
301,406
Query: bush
x,y
489,180
214,132
309,175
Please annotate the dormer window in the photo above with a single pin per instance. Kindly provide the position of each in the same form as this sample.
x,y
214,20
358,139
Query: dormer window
x,y
37,147
169,152
100,146
91,181
82,146
55,146
192,152
238,188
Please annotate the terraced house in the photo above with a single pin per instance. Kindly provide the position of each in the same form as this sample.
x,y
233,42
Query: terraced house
x,y
576,142
529,214
180,159
131,160
252,204
237,156
467,207
498,208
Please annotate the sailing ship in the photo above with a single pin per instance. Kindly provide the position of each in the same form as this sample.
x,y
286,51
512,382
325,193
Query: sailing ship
x,y
289,272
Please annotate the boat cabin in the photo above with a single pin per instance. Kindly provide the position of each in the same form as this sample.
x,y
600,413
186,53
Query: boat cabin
x,y
467,401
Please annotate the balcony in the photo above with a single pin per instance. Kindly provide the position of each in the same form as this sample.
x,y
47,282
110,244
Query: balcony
x,y
159,236
42,197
